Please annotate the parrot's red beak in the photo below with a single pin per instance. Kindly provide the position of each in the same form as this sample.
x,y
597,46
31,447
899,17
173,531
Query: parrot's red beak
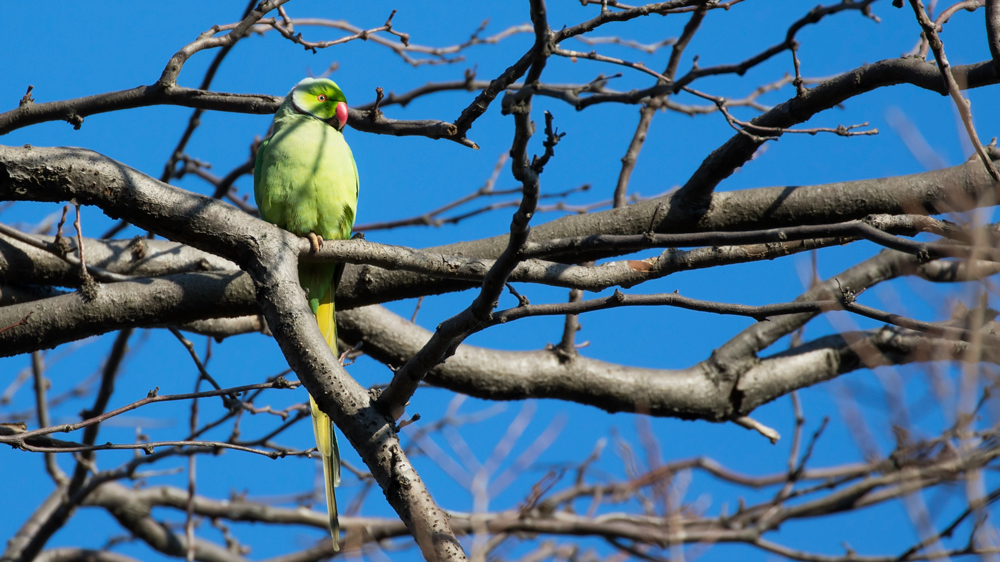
x,y
339,120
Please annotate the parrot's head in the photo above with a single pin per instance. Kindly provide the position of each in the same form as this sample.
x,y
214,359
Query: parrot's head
x,y
321,98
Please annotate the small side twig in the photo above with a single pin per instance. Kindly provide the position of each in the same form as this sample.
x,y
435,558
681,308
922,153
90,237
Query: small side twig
x,y
567,345
754,425
203,372
88,287
749,129
800,89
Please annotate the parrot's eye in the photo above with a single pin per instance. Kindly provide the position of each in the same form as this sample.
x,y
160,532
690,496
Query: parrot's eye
x,y
321,97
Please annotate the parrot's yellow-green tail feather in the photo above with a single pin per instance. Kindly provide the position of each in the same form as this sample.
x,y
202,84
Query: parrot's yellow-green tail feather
x,y
326,441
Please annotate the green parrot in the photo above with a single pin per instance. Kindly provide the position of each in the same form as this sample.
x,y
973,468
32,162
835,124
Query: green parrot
x,y
306,182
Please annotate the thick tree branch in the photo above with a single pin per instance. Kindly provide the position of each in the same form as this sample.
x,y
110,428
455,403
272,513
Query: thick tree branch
x,y
167,301
736,152
686,393
951,189
40,262
993,32
129,304
268,255
136,517
42,267
224,272
81,555
516,375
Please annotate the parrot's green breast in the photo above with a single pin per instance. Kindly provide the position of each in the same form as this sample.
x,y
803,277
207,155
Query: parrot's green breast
x,y
306,179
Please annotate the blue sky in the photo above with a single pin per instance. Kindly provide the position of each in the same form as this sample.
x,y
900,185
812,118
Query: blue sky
x,y
79,49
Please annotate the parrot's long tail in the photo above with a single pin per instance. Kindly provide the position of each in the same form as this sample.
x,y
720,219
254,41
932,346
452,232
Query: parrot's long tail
x,y
326,440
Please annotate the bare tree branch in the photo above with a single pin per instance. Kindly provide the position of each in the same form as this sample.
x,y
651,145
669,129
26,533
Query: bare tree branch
x,y
924,423
454,330
268,255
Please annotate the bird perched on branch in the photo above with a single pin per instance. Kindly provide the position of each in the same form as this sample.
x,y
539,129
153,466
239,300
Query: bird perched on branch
x,y
306,181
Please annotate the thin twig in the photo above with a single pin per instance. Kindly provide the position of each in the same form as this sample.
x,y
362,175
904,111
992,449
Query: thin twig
x,y
280,383
962,104
42,410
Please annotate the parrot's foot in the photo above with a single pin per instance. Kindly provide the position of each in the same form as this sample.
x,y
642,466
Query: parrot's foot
x,y
315,241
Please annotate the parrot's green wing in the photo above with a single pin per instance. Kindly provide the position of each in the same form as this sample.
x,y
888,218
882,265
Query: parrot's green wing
x,y
306,181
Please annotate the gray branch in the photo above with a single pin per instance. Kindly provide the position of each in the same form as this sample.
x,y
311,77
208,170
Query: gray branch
x,y
176,299
739,149
939,191
135,516
268,254
46,174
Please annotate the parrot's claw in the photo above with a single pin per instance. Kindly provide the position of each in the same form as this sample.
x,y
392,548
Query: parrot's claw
x,y
315,241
